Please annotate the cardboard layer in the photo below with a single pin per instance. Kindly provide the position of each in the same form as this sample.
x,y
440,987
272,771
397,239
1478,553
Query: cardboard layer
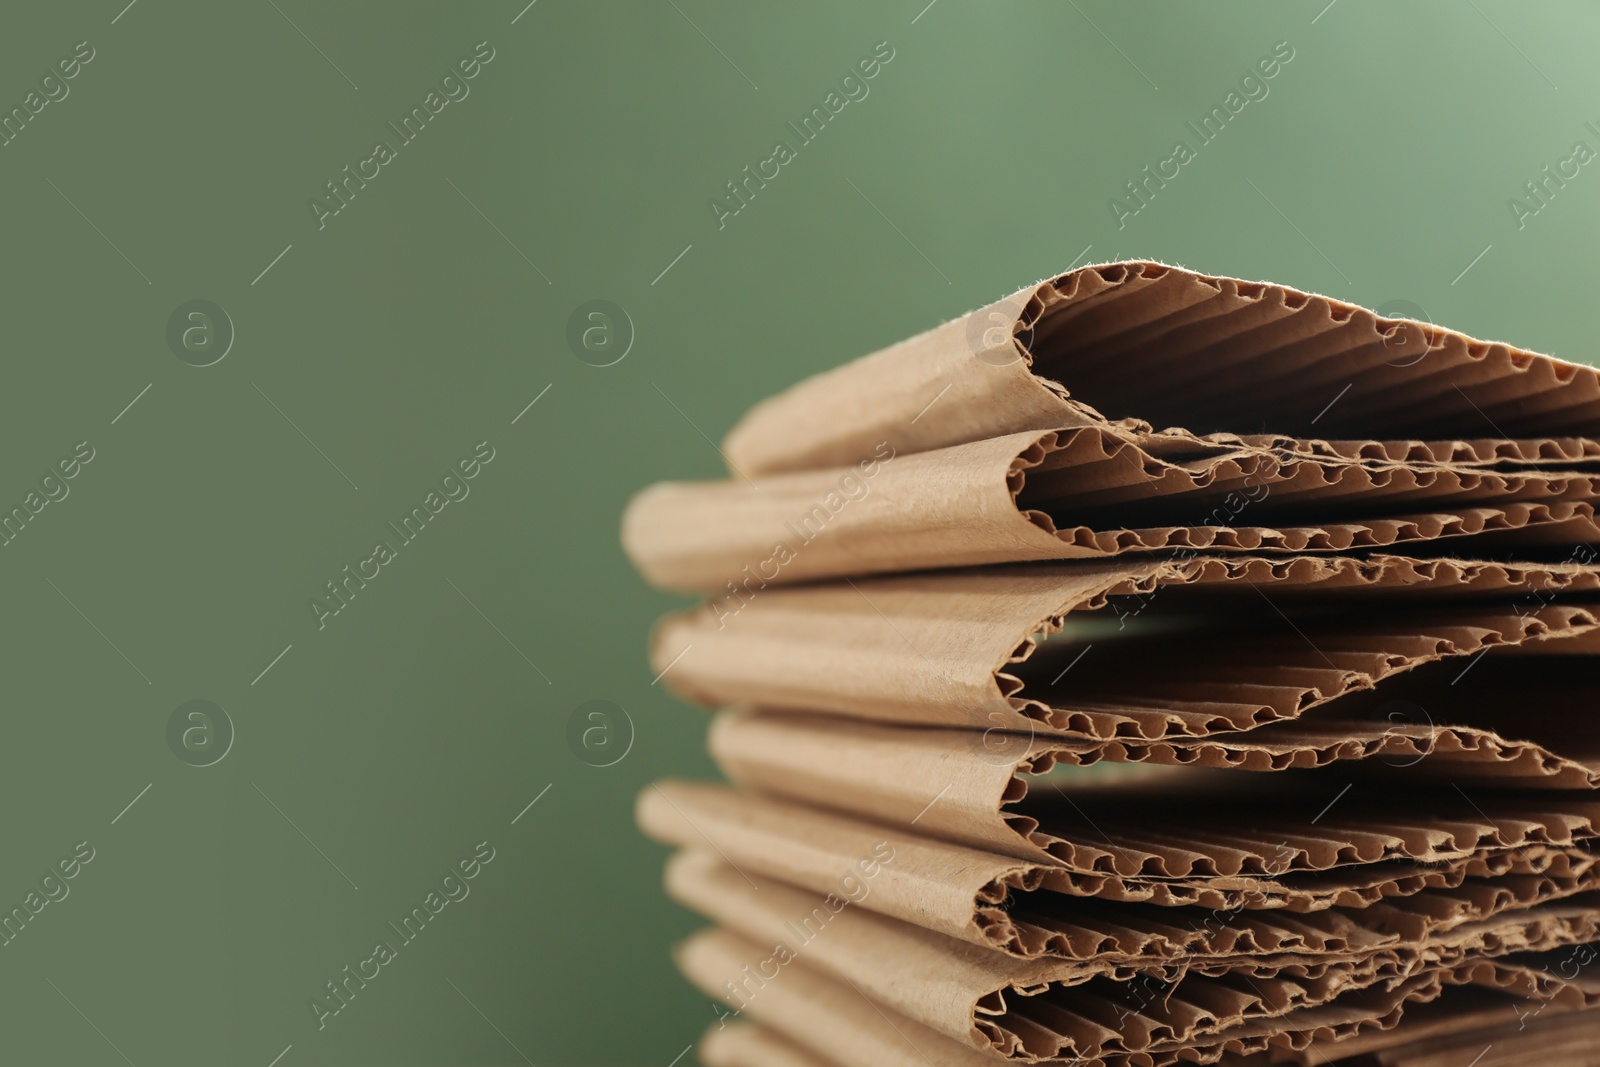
x,y
1003,792
964,648
1083,493
1032,909
1561,1040
1084,350
1038,1009
838,1022
1126,940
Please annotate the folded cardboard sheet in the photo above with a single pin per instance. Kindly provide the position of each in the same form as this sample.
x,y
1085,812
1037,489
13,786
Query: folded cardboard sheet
x,y
1032,908
1138,347
1022,1009
1040,799
1006,796
841,1023
1563,1039
1083,494
1308,642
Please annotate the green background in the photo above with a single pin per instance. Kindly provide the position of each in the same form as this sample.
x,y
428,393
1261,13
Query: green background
x,y
412,327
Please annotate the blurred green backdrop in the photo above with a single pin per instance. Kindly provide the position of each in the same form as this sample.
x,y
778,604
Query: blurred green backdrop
x,y
374,349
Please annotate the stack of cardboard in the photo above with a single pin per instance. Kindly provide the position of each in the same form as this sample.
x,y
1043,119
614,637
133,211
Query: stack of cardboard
x,y
1146,668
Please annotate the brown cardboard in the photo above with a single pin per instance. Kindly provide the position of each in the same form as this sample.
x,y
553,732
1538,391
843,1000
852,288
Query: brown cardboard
x,y
839,1022
1139,346
1033,909
1004,793
1005,610
954,648
999,1004
1558,1040
1084,493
